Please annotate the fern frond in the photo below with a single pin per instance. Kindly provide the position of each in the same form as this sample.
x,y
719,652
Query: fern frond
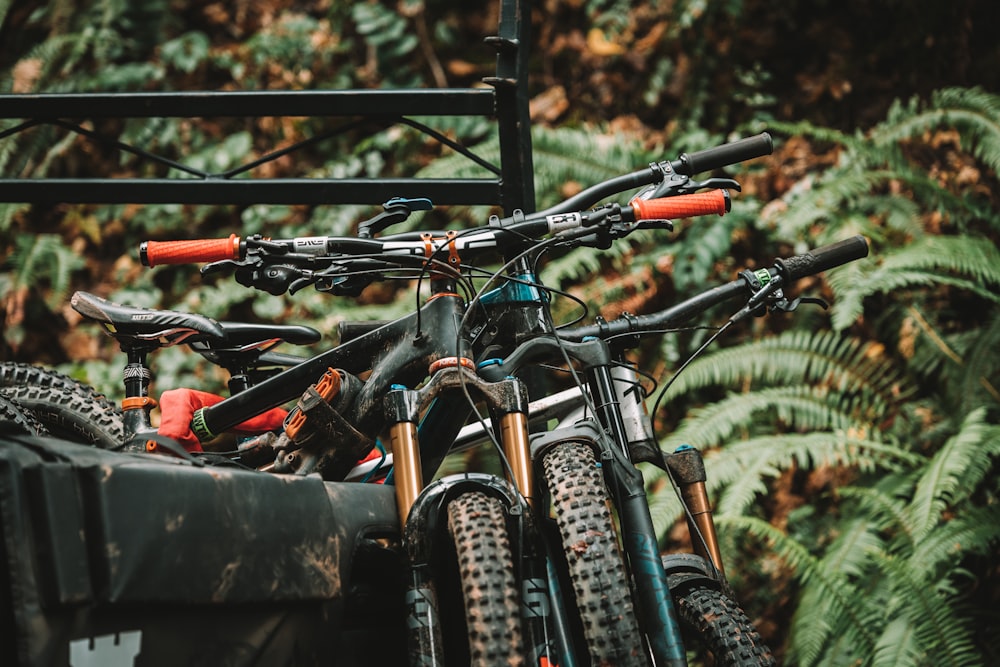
x,y
808,129
972,531
981,361
43,258
848,554
926,262
953,473
897,646
977,258
943,633
975,112
839,363
842,608
825,199
699,248
883,510
797,407
737,473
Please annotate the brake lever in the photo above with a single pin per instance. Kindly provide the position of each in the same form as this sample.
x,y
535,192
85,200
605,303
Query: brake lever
x,y
678,184
334,280
301,283
222,265
713,184
786,306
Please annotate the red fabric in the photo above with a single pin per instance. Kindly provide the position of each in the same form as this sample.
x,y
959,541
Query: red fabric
x,y
177,407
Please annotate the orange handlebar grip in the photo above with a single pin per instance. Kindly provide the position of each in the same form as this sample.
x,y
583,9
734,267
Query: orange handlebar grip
x,y
152,253
682,206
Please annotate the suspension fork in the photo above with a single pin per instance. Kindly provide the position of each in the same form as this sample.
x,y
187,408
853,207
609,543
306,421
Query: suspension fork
x,y
688,470
658,614
508,404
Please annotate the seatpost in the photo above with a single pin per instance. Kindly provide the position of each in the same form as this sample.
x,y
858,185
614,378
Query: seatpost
x,y
137,403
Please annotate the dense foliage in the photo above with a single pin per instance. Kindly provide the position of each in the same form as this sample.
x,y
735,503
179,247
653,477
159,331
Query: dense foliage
x,y
853,455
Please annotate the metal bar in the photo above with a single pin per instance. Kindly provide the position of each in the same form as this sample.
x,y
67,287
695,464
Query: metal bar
x,y
513,117
247,191
372,103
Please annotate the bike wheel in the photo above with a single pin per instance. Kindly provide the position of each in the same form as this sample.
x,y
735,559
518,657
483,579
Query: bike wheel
x,y
67,408
15,419
717,625
593,559
478,528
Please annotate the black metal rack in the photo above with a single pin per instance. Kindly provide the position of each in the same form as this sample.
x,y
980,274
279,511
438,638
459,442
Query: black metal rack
x,y
506,101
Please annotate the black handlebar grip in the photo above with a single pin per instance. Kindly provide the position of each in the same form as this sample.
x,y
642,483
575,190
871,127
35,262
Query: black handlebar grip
x,y
821,259
726,154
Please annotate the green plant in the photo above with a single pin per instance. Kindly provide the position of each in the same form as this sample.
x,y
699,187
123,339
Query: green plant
x,y
893,586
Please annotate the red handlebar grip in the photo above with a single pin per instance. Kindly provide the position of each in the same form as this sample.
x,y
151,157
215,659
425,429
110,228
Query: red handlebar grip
x,y
152,253
682,206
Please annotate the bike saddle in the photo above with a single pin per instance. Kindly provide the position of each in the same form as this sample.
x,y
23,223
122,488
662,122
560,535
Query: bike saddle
x,y
146,326
240,334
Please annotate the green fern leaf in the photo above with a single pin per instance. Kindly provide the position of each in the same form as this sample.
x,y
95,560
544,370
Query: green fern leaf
x,y
972,110
953,473
973,531
897,646
42,258
942,631
842,609
925,262
798,357
737,473
882,509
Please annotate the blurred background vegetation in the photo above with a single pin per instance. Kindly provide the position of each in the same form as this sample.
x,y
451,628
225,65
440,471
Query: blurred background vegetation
x,y
852,453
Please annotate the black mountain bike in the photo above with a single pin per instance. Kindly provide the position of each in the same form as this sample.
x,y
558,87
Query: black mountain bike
x,y
527,568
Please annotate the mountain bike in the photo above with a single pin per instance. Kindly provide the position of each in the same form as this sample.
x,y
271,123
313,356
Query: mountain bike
x,y
435,348
419,373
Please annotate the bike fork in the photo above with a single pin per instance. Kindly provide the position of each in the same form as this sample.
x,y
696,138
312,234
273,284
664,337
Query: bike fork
x,y
688,470
658,615
421,509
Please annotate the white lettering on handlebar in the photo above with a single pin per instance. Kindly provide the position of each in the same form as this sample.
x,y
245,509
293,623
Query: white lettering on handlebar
x,y
558,223
310,245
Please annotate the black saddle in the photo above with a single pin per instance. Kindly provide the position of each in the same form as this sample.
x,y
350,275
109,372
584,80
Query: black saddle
x,y
146,327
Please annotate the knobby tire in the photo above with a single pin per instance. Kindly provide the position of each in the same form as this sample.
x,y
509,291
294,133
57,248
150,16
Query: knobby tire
x,y
478,528
713,622
67,408
15,419
594,562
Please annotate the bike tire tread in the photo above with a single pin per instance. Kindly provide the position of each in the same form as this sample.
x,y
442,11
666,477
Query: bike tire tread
x,y
597,571
486,569
71,413
712,619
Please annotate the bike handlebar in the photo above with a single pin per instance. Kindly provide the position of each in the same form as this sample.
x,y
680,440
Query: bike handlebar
x,y
726,154
153,253
788,269
821,259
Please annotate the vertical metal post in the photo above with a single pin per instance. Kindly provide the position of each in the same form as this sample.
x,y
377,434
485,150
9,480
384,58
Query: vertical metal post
x,y
514,122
